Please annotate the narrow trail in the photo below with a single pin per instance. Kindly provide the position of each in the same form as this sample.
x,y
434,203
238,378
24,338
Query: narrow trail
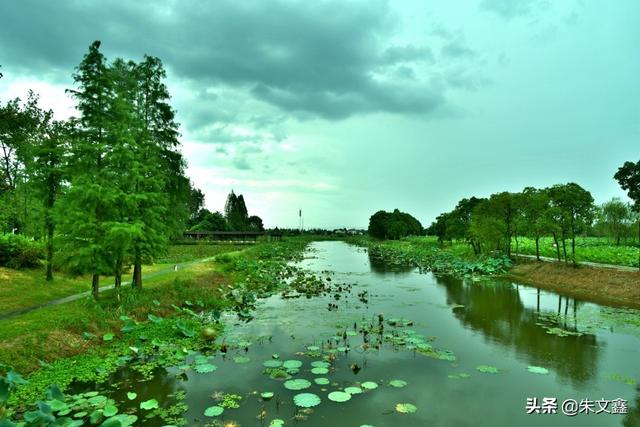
x,y
588,264
11,314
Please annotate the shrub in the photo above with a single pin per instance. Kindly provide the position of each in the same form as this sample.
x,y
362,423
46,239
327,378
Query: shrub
x,y
16,251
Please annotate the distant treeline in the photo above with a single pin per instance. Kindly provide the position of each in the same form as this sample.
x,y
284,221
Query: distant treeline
x,y
563,212
235,218
107,188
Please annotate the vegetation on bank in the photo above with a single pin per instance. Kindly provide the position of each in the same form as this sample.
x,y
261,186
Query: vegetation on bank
x,y
563,212
588,249
26,287
87,340
427,254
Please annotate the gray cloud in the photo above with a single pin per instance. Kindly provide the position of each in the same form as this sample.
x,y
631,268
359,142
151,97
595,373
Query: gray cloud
x,y
307,58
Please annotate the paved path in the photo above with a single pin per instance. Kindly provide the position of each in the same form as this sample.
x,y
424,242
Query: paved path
x,y
590,264
11,314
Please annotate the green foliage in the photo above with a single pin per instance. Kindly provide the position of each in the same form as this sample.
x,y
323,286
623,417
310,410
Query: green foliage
x,y
393,225
17,251
628,176
428,256
208,221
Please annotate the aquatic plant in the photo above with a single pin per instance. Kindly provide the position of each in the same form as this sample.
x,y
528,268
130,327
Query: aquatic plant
x,y
306,400
339,396
297,384
213,411
406,408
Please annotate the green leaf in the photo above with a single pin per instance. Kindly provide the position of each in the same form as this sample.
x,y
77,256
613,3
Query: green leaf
x,y
297,384
110,410
339,396
306,400
107,337
406,408
213,411
149,404
132,395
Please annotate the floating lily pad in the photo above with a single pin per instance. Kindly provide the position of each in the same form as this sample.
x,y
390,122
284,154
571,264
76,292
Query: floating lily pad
x,y
276,423
537,370
406,408
213,411
149,404
320,364
321,381
369,385
242,359
122,420
487,369
109,411
339,396
353,390
297,384
205,368
292,364
319,371
397,383
266,395
132,395
306,400
273,363
459,376
313,348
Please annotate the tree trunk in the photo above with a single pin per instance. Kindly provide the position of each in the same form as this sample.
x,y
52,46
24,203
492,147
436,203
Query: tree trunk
x,y
49,248
573,250
118,274
136,282
555,240
516,245
564,250
538,248
95,285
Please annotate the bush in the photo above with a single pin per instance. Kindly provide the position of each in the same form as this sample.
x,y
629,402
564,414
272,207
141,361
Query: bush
x,y
393,225
16,251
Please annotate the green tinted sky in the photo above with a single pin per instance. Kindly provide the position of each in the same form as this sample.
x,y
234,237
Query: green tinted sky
x,y
343,108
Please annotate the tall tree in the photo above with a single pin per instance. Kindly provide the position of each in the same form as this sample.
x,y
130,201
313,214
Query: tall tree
x,y
160,181
628,176
20,125
616,216
576,212
534,209
235,211
46,170
89,200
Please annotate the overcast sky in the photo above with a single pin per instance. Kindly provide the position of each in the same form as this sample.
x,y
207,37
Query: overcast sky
x,y
344,108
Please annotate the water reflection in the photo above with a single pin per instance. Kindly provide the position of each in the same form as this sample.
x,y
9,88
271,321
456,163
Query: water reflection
x,y
497,311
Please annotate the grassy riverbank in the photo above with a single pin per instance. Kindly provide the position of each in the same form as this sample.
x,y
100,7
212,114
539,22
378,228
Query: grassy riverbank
x,y
27,287
602,285
85,340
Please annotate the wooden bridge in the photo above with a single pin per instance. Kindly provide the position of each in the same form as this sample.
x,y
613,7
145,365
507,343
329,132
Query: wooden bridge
x,y
235,236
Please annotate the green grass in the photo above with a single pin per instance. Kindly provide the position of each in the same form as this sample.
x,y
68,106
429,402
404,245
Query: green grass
x,y
52,332
588,249
190,252
27,287
55,332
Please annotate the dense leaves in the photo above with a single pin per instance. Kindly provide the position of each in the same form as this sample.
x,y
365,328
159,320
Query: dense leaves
x,y
393,225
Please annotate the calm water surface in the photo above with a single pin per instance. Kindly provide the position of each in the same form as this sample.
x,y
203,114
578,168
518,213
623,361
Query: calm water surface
x,y
503,325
